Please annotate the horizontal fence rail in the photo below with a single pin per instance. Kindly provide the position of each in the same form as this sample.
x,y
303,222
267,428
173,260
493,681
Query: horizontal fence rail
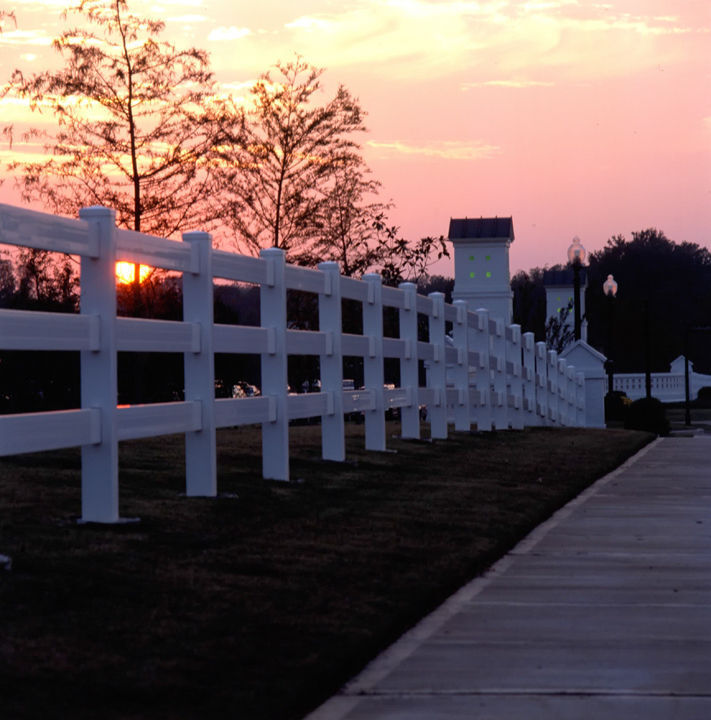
x,y
478,371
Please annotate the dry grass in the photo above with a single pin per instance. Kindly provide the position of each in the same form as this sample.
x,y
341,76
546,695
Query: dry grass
x,y
260,603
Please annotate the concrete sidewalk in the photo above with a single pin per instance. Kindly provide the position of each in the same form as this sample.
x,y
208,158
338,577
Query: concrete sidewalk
x,y
603,612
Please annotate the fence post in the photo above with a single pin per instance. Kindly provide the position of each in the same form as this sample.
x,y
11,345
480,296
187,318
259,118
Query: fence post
x,y
373,367
333,445
529,379
513,371
498,366
409,367
571,394
552,358
580,398
99,384
275,433
199,369
542,383
562,366
437,376
483,369
460,372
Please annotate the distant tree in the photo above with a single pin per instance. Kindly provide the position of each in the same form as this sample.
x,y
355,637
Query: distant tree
x,y
673,279
559,330
7,282
437,283
131,127
529,302
45,282
403,261
280,157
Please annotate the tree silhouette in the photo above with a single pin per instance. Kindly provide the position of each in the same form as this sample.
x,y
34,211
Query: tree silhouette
x,y
131,126
280,156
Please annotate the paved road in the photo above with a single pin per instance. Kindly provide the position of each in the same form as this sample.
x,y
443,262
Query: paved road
x,y
604,612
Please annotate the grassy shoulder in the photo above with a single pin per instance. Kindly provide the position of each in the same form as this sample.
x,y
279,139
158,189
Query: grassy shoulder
x,y
262,602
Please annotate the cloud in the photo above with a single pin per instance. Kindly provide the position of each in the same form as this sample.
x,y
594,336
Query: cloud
x,y
221,34
508,84
33,38
432,38
443,150
187,19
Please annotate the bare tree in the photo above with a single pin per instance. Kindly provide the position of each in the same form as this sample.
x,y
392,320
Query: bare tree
x,y
349,222
131,130
559,331
279,155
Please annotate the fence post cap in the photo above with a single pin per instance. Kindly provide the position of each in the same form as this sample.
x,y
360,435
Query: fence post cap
x,y
96,211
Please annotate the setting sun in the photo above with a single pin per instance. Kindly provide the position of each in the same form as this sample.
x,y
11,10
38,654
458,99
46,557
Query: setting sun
x,y
125,271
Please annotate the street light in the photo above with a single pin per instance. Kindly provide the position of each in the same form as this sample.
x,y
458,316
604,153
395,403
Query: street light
x,y
576,257
609,287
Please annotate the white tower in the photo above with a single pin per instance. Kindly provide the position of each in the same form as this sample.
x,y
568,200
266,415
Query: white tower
x,y
481,264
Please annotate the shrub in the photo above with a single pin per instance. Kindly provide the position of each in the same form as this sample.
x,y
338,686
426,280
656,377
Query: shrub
x,y
647,414
616,404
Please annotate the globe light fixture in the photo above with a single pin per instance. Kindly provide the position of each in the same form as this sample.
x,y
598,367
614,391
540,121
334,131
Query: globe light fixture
x,y
577,253
609,287
576,257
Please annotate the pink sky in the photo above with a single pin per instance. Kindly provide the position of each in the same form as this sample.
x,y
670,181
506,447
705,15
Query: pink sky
x,y
575,117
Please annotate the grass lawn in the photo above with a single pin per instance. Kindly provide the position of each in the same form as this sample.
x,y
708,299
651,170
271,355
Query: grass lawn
x,y
262,602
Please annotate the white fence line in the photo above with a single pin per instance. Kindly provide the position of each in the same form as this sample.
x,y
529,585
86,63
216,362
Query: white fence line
x,y
485,374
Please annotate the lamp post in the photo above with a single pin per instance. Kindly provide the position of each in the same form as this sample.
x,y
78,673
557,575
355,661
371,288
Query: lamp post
x,y
609,287
576,257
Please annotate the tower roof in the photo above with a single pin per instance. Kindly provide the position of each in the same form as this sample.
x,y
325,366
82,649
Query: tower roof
x,y
481,228
563,277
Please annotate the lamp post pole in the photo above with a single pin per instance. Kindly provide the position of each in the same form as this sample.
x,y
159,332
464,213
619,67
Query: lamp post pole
x,y
576,257
647,354
609,287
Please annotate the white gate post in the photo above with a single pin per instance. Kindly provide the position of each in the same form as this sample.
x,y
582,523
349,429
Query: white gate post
x,y
199,369
99,384
409,370
542,383
483,370
275,433
373,367
333,446
529,379
460,372
514,400
437,376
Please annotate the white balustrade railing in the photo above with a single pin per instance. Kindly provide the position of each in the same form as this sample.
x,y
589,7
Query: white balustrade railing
x,y
483,373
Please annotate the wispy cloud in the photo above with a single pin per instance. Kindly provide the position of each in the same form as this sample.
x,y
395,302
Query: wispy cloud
x,y
221,34
444,150
34,38
187,19
508,84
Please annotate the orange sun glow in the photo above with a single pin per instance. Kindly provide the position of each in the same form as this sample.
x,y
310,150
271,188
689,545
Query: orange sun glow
x,y
125,270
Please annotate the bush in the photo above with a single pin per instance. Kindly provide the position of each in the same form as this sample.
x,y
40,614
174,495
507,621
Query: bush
x,y
647,414
616,404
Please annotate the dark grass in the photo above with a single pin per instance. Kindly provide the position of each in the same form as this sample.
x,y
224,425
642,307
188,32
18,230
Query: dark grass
x,y
262,602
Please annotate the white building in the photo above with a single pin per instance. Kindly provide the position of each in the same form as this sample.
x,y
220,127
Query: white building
x,y
481,264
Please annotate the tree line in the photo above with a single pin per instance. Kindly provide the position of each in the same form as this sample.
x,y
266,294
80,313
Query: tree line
x,y
664,290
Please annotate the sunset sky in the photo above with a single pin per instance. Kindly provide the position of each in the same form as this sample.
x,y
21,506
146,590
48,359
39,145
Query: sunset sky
x,y
575,117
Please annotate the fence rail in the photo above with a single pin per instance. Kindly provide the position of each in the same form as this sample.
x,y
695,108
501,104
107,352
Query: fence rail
x,y
481,373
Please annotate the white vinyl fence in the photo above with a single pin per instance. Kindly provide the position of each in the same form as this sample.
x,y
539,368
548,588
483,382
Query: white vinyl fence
x,y
484,374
